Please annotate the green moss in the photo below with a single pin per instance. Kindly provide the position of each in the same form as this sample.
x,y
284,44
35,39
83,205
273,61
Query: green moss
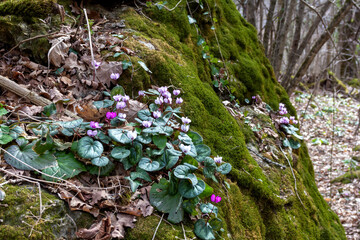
x,y
26,8
347,177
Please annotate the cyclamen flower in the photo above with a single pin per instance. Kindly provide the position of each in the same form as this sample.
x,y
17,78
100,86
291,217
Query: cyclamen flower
x,y
284,120
122,115
185,149
283,111
110,115
141,93
185,120
94,124
166,95
156,114
92,133
218,159
96,64
168,100
121,105
126,98
253,97
162,90
132,135
118,98
176,92
215,199
115,76
179,100
146,124
292,119
185,128
159,100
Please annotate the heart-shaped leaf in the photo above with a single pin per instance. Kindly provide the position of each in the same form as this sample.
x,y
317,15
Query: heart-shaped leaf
x,y
145,115
144,138
103,104
195,137
202,151
100,161
117,90
104,171
172,157
216,224
203,230
133,184
103,138
209,167
140,173
192,152
135,153
89,149
225,168
148,165
209,208
183,137
187,190
119,135
183,172
159,141
120,152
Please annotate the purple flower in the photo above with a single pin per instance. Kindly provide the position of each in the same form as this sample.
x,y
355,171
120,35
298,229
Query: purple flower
x,y
176,92
283,111
122,115
284,120
92,133
141,93
293,121
218,159
115,76
185,120
162,90
185,149
166,95
94,124
96,64
110,115
126,98
215,199
146,124
121,105
156,114
159,100
185,128
118,97
179,100
131,135
168,100
253,97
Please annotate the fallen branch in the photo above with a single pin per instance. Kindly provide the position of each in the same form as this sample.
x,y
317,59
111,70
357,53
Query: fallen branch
x,y
25,93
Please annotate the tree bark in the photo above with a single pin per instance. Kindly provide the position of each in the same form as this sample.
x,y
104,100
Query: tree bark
x,y
317,46
268,26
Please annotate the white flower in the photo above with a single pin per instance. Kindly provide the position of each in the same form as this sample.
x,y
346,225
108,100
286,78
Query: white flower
x,y
185,128
185,120
131,135
156,114
185,149
218,159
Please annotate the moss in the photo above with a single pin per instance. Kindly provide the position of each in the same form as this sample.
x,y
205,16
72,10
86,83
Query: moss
x,y
26,8
347,177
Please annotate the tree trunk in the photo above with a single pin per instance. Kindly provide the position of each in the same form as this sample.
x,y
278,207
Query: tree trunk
x,y
268,26
317,46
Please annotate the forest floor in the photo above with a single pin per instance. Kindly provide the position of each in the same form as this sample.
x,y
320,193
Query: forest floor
x,y
328,125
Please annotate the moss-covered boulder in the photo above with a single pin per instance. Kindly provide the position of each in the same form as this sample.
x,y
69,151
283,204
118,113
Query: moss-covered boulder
x,y
262,202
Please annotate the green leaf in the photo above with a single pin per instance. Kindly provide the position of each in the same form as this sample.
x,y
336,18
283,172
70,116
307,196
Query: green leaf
x,y
209,167
67,167
183,137
187,190
100,161
145,115
103,138
184,172
16,132
214,70
120,152
89,149
140,173
191,20
135,153
133,184
5,139
209,208
190,206
144,138
26,155
192,167
192,152
202,151
40,147
49,109
119,135
103,104
207,192
3,111
216,224
195,137
160,141
225,168
104,171
165,202
148,165
294,144
203,230
172,157
143,65
117,90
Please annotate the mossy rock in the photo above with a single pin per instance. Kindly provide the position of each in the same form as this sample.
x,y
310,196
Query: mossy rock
x,y
20,209
347,177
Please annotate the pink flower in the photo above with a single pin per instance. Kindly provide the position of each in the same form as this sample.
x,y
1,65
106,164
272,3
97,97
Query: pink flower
x,y
176,92
166,95
218,159
284,120
118,98
110,115
141,93
126,98
96,64
162,90
215,199
146,124
121,105
179,100
115,76
156,114
185,128
94,124
92,133
168,100
159,100
185,120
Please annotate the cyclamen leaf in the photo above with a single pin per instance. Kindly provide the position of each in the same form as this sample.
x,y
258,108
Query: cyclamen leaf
x,y
209,167
160,141
104,171
133,184
183,137
143,65
148,165
120,152
224,168
140,173
100,161
209,208
216,224
103,104
202,151
187,190
89,149
172,157
119,135
5,139
183,172
203,230
195,137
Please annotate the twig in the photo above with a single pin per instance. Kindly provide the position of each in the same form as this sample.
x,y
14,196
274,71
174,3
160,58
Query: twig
x,y
41,209
48,55
182,225
90,42
171,9
296,191
158,226
265,159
